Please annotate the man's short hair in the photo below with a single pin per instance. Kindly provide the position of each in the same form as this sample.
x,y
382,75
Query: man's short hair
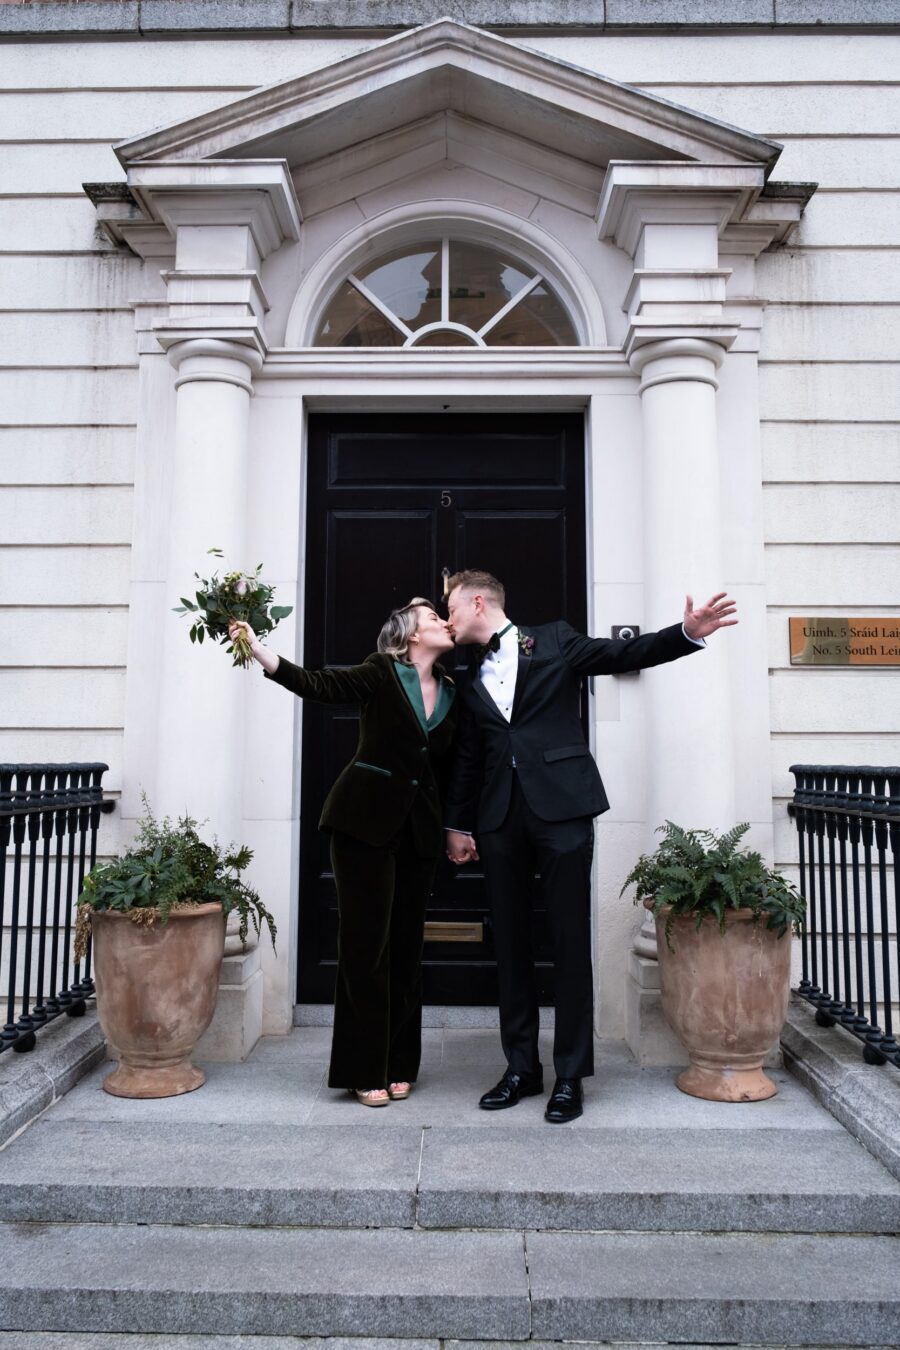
x,y
473,580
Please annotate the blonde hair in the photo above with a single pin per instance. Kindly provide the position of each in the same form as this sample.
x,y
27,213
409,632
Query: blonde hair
x,y
399,627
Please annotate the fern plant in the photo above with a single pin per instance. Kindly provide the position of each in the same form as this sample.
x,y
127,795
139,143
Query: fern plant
x,y
705,874
170,866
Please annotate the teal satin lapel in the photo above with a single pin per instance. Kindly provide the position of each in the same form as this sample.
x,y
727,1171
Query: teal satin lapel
x,y
409,681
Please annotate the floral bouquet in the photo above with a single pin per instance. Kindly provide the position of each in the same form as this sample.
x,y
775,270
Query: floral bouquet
x,y
237,596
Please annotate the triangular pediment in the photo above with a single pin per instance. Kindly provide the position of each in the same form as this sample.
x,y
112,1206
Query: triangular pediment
x,y
448,67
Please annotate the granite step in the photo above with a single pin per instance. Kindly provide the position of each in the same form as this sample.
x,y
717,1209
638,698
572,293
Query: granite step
x,y
766,1180
751,1289
715,1180
92,1340
734,1288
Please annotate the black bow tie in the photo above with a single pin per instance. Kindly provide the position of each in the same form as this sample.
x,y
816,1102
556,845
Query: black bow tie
x,y
492,644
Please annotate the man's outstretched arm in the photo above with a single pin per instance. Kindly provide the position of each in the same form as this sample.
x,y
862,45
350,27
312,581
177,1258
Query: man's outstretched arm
x,y
616,656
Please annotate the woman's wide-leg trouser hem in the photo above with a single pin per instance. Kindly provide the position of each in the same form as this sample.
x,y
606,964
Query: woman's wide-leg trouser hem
x,y
382,895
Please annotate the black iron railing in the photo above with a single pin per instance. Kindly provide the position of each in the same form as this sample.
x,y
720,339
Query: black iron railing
x,y
49,817
848,824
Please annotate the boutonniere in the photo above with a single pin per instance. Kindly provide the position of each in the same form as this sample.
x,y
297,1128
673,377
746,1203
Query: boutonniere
x,y
526,642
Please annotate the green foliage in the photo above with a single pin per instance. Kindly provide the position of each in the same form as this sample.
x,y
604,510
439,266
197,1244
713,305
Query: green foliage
x,y
701,873
169,864
236,595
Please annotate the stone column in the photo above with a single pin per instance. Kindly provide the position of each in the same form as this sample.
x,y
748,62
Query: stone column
x,y
218,221
214,222
690,769
669,219
200,740
200,750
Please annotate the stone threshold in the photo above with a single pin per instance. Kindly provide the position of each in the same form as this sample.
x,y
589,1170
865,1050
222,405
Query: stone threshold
x,y
433,1016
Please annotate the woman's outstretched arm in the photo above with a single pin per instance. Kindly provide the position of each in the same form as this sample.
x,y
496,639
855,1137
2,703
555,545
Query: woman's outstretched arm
x,y
351,684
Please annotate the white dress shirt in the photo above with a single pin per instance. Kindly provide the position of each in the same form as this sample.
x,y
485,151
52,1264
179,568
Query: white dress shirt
x,y
499,670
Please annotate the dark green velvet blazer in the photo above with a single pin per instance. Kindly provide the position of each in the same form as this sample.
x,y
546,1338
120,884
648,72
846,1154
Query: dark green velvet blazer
x,y
400,767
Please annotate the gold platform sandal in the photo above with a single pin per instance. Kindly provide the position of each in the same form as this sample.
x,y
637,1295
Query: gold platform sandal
x,y
371,1096
398,1092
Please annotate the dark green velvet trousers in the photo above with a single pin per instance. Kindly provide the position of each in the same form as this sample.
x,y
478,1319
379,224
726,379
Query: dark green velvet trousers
x,y
382,894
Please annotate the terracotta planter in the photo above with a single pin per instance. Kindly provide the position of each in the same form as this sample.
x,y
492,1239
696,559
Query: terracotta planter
x,y
725,995
156,994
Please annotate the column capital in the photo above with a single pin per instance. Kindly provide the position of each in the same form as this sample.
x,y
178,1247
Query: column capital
x,y
677,358
209,357
687,334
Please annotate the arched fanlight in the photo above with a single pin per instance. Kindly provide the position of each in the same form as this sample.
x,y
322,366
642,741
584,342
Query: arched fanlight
x,y
445,293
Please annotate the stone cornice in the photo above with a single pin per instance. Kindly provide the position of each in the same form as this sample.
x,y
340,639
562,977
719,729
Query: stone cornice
x,y
193,18
677,192
769,220
748,214
145,212
257,193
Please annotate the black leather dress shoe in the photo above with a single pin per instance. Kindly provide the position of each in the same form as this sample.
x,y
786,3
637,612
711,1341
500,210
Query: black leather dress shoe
x,y
511,1088
566,1101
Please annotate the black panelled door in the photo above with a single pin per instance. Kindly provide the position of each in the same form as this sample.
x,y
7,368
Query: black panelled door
x,y
392,501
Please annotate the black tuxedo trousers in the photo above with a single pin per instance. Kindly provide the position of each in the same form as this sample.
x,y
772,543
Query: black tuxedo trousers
x,y
528,789
560,852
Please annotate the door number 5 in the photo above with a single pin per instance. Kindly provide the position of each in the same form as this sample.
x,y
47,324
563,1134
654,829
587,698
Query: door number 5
x,y
446,499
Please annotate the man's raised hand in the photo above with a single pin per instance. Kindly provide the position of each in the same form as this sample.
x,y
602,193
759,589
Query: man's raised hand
x,y
716,613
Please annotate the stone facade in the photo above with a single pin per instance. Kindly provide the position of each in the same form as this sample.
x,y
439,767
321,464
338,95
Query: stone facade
x,y
738,365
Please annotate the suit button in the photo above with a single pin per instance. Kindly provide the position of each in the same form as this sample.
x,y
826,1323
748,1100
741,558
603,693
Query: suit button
x,y
415,782
424,750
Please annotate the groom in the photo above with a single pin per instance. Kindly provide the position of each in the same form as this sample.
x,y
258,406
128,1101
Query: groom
x,y
525,784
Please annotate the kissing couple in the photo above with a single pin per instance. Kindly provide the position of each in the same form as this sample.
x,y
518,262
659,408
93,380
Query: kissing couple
x,y
494,768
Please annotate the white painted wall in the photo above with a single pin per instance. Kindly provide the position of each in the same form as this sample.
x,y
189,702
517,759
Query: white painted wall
x,y
70,393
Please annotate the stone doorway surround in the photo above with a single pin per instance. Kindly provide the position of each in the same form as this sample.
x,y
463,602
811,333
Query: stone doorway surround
x,y
648,218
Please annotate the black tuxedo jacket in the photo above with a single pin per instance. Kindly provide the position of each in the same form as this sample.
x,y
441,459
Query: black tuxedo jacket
x,y
398,771
556,772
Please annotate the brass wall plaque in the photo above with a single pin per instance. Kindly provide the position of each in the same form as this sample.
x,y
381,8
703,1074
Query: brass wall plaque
x,y
454,932
845,642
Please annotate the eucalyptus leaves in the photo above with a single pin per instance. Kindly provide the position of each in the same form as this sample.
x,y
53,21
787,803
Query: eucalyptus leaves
x,y
236,595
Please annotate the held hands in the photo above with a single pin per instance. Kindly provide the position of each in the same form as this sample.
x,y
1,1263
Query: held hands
x,y
461,847
699,623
